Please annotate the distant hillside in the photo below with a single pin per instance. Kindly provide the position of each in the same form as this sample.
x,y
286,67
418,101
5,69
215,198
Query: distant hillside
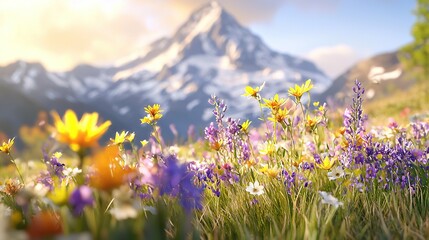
x,y
381,75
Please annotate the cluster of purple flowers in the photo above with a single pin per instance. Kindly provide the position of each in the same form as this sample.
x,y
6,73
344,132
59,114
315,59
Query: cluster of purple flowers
x,y
173,179
226,133
210,176
54,169
293,179
384,163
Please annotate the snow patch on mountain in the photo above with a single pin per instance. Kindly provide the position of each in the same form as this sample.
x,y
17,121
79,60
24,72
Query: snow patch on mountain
x,y
378,74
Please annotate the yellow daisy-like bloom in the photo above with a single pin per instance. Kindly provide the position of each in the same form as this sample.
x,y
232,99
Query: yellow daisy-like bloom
x,y
298,91
253,92
340,132
275,103
268,148
270,172
60,194
311,122
327,163
245,126
144,143
6,146
153,114
279,116
122,137
216,145
79,134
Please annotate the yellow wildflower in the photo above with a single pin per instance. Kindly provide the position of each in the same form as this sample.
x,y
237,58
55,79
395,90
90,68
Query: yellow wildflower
x,y
298,91
269,148
297,161
264,169
154,113
57,155
122,137
245,126
273,172
316,104
279,116
327,163
216,145
79,134
60,194
270,172
250,163
311,122
253,92
131,137
144,143
340,132
6,146
275,103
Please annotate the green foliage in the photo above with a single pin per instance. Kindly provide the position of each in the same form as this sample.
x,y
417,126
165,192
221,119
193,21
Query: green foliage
x,y
415,56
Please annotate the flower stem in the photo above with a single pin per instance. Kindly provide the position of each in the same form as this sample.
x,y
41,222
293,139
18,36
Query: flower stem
x,y
81,155
16,166
156,135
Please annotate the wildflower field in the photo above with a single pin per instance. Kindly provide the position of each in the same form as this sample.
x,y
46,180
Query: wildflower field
x,y
295,174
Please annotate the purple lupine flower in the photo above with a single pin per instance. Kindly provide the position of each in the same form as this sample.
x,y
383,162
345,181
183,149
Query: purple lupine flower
x,y
307,166
317,158
220,108
289,180
211,133
80,198
245,151
46,179
175,180
55,168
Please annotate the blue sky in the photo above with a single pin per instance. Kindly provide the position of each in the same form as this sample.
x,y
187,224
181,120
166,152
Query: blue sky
x,y
363,27
332,33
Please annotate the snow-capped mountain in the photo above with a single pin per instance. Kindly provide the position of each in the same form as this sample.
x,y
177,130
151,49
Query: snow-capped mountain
x,y
211,53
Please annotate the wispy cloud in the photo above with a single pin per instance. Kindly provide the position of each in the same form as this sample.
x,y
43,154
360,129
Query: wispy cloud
x,y
334,60
61,34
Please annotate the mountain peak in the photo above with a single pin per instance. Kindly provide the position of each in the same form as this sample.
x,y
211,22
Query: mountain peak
x,y
214,5
202,20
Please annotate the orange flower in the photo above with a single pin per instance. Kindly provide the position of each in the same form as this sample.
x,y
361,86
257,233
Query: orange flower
x,y
44,224
108,172
79,134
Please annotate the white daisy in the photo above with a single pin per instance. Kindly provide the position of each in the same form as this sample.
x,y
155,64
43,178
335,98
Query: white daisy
x,y
329,199
255,188
337,172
